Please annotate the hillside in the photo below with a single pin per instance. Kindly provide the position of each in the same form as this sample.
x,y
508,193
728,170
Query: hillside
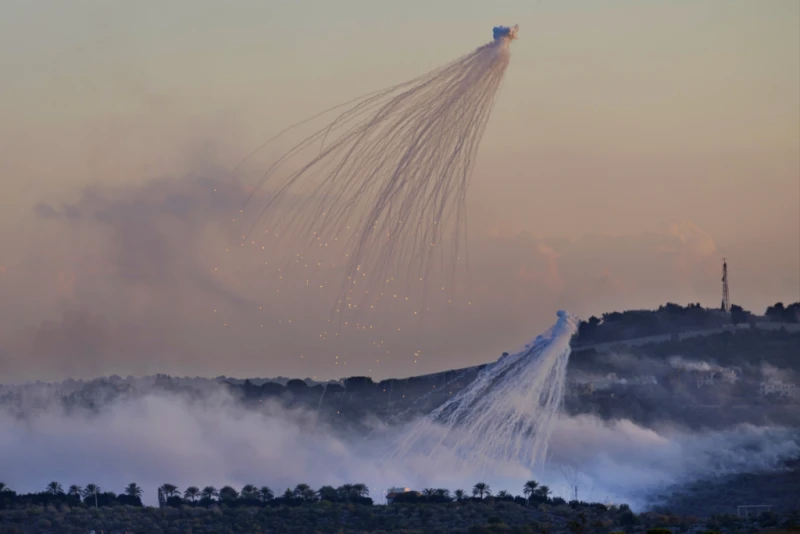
x,y
468,516
723,377
780,490
693,379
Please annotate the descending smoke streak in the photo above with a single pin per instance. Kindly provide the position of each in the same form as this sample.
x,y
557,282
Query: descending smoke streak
x,y
391,175
506,415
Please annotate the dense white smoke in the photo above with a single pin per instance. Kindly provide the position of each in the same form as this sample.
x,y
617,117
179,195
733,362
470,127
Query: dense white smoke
x,y
152,436
160,438
690,365
625,462
506,415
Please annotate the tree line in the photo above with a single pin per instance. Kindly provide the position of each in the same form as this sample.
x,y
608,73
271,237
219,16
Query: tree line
x,y
251,495
673,318
169,495
74,495
532,491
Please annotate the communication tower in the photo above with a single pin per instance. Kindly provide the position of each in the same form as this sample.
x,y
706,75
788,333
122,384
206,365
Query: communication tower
x,y
726,299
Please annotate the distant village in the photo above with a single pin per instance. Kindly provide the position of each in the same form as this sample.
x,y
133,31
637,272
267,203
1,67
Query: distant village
x,y
766,389
712,330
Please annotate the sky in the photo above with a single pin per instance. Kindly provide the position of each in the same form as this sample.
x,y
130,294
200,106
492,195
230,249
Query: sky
x,y
632,147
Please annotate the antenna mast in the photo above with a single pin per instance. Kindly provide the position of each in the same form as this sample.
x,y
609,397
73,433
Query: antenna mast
x,y
726,299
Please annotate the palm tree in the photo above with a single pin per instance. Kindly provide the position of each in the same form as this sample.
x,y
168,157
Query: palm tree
x,y
429,492
169,490
249,492
209,492
133,490
227,493
543,491
265,494
89,490
529,488
191,493
54,488
503,494
481,489
460,494
443,492
4,487
74,491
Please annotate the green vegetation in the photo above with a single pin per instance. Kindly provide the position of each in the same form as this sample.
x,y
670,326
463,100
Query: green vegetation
x,y
346,509
718,496
673,319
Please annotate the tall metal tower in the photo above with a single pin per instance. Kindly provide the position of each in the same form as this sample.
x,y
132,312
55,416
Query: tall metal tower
x,y
726,299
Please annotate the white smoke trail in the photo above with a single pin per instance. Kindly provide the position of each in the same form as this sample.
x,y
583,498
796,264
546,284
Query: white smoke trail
x,y
387,187
506,415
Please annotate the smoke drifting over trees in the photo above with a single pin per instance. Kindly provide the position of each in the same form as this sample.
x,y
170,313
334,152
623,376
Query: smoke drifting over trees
x,y
628,439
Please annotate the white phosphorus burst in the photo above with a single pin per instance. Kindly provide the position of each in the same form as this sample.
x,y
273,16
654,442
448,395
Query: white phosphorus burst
x,y
382,187
506,415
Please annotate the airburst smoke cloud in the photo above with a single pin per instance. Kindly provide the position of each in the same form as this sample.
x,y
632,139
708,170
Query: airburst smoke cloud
x,y
381,190
506,415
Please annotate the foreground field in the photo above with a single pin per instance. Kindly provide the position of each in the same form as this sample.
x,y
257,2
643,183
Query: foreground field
x,y
324,517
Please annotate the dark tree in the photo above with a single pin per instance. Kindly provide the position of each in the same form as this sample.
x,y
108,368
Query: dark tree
x,y
265,494
209,492
54,488
169,490
133,490
530,486
481,490
228,494
191,493
739,315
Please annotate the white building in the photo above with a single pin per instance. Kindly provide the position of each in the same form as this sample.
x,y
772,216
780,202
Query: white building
x,y
707,379
778,389
721,376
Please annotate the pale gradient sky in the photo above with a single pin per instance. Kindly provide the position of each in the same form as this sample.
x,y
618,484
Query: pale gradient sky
x,y
619,118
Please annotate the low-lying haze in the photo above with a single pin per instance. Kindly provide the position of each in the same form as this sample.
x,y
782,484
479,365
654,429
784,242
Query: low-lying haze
x,y
159,437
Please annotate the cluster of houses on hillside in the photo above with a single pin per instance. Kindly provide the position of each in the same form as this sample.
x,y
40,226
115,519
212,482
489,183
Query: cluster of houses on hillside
x,y
691,380
610,381
778,389
721,376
